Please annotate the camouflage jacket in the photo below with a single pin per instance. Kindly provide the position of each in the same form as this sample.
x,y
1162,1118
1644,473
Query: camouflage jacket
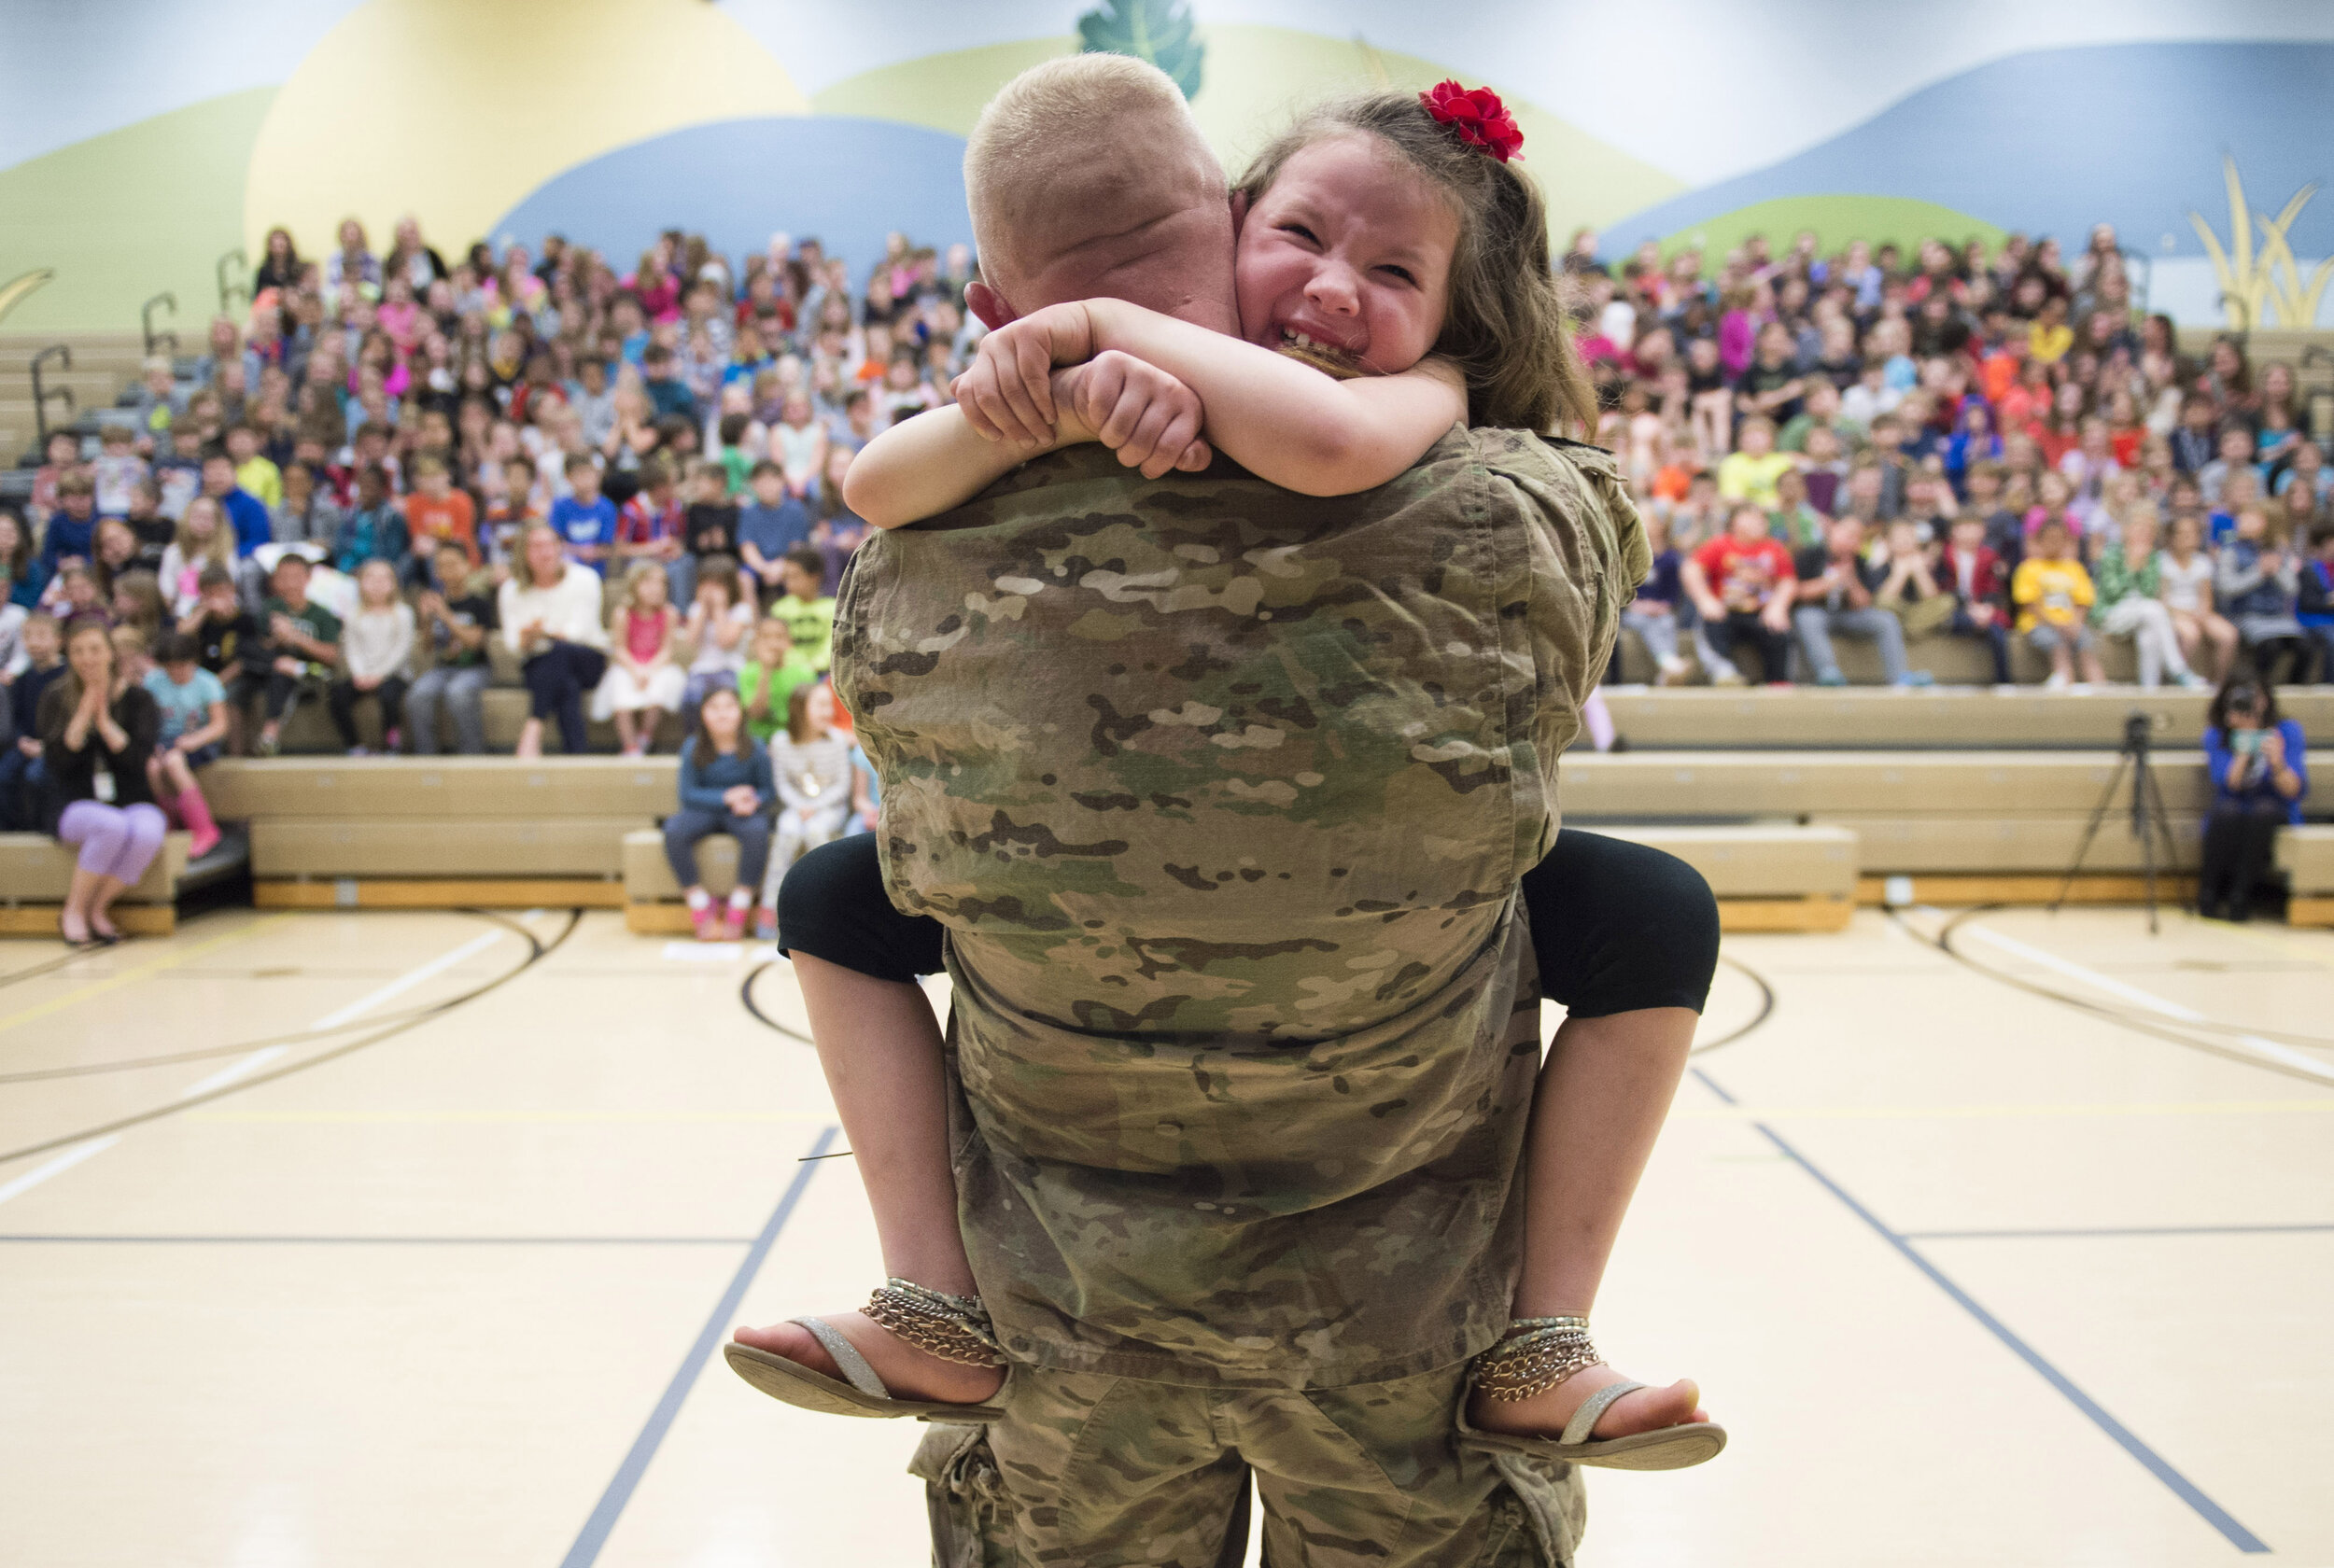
x,y
1223,794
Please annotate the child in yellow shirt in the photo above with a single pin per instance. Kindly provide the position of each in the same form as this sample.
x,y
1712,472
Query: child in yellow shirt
x,y
2053,595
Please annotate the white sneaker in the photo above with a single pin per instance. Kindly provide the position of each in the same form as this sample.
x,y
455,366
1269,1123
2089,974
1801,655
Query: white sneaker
x,y
1726,675
2191,681
1672,670
2058,682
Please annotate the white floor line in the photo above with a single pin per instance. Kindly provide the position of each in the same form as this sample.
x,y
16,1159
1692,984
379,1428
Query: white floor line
x,y
233,1072
2269,1050
408,980
56,1166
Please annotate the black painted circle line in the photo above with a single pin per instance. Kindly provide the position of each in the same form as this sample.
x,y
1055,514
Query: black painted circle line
x,y
537,951
1758,1020
745,995
2153,1025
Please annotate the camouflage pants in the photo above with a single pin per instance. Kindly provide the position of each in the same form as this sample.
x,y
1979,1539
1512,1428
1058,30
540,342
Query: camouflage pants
x,y
1093,1471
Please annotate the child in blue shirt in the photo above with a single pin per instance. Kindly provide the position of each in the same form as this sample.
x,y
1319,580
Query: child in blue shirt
x,y
585,520
193,706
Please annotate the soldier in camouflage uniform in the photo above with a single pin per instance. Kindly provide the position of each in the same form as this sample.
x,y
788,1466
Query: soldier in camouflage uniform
x,y
1222,795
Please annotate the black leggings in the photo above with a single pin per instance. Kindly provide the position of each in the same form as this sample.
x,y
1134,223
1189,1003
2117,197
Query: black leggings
x,y
557,680
1618,926
2238,841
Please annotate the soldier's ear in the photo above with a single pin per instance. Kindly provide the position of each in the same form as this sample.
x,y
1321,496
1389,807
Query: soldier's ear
x,y
989,306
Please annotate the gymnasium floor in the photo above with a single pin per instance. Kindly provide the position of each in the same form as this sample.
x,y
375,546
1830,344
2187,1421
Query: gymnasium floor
x,y
1973,1274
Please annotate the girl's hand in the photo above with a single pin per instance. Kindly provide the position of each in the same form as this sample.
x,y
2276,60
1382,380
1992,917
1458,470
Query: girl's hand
x,y
1146,417
2273,748
1008,393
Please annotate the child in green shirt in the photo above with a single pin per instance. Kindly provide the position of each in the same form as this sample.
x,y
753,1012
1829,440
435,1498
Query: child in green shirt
x,y
766,685
806,609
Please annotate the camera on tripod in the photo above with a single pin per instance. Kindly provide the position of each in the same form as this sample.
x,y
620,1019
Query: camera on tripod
x,y
2151,824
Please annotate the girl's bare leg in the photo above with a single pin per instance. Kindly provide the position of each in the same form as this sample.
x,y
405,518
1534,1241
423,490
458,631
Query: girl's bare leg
x,y
101,902
881,1050
1601,1099
2223,633
2189,635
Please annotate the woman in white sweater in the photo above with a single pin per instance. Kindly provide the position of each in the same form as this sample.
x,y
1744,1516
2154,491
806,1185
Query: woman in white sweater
x,y
376,649
550,614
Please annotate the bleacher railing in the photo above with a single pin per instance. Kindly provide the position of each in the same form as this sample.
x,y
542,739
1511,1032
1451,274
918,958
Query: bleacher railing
x,y
42,392
146,322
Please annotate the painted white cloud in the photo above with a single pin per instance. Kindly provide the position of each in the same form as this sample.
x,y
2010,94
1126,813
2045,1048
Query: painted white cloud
x,y
1703,88
72,69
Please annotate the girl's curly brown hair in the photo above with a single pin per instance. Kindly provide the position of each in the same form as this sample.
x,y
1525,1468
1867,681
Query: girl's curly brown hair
x,y
1505,327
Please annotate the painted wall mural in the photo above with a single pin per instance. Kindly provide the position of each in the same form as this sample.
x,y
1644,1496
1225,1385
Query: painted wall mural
x,y
143,140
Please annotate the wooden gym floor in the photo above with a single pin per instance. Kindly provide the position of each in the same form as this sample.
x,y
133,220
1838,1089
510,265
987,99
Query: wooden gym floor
x,y
2017,1254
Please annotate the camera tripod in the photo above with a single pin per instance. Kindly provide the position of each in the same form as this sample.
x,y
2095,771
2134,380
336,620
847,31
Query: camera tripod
x,y
2150,821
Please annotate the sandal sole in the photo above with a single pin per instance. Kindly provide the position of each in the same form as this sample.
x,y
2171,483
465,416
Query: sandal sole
x,y
1672,1448
792,1383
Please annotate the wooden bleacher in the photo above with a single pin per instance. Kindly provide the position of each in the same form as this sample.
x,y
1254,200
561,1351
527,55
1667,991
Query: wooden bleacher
x,y
2306,855
1940,718
104,366
1818,799
1767,876
1964,826
36,873
652,897
408,832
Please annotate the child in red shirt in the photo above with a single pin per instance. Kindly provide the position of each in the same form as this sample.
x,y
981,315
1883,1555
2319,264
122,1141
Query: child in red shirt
x,y
1742,581
437,510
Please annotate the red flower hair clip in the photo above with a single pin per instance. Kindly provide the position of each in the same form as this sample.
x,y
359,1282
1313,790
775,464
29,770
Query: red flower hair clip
x,y
1478,116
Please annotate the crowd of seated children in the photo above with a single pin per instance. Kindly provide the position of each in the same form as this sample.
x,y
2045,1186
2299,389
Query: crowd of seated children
x,y
692,410
394,488
1978,393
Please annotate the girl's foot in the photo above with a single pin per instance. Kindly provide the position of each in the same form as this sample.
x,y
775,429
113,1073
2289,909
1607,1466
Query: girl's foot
x,y
103,928
907,1371
1543,1414
73,927
706,920
202,841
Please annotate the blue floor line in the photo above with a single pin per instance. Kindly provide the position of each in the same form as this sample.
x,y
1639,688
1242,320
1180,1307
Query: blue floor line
x,y
2109,1231
2155,1463
594,1535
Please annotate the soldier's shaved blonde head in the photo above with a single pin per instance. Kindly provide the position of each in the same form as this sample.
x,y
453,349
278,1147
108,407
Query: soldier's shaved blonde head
x,y
1092,152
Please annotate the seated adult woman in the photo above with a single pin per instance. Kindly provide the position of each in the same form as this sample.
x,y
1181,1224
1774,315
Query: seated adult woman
x,y
726,787
97,731
550,614
2260,773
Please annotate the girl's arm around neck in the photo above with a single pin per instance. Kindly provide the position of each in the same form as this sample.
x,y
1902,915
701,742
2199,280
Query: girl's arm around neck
x,y
1281,420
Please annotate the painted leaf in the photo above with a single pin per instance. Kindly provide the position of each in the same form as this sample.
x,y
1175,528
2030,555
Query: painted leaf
x,y
1157,30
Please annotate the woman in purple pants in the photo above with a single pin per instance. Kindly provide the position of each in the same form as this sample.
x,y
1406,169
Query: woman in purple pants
x,y
97,730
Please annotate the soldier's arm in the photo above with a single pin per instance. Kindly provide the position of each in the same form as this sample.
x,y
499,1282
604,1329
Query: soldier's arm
x,y
1279,417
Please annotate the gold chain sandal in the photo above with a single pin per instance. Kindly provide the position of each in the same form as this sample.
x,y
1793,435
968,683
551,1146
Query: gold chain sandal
x,y
952,1327
1538,1354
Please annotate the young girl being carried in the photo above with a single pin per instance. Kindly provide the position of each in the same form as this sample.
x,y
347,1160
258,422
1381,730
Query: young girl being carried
x,y
643,676
1392,281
